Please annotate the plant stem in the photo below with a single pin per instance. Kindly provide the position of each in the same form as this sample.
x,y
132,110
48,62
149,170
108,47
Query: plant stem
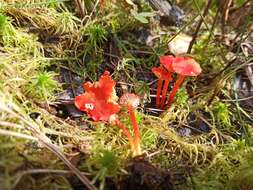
x,y
127,133
175,88
164,92
209,3
158,92
136,130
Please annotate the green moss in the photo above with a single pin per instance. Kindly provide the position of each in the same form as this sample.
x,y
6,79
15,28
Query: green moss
x,y
96,35
216,159
43,86
223,115
3,20
181,97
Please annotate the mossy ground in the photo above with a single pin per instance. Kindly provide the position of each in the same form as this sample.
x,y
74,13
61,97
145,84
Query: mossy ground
x,y
49,47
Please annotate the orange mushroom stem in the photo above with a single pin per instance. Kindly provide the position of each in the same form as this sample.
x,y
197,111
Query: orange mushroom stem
x,y
128,135
158,92
162,75
137,137
183,66
164,92
131,101
175,89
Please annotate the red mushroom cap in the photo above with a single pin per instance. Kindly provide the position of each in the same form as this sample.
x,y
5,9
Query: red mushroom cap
x,y
129,99
98,110
161,73
98,100
104,88
167,61
186,66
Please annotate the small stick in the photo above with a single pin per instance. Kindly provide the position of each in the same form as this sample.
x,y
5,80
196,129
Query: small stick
x,y
198,27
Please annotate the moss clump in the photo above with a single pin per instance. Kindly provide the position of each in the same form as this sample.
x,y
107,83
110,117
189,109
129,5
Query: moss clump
x,y
43,86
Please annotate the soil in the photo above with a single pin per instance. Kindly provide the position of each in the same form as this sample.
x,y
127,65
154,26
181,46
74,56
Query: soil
x,y
144,176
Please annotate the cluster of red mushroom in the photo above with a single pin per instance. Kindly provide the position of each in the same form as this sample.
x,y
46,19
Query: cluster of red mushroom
x,y
182,66
99,101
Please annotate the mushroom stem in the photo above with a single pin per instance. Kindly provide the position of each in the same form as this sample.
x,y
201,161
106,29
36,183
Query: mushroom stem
x,y
164,92
175,88
127,133
136,131
158,92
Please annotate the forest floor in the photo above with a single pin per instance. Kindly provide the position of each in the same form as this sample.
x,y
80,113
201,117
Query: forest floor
x,y
50,48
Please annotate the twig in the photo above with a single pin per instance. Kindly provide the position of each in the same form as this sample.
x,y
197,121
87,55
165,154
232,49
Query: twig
x,y
9,124
225,12
181,29
212,27
224,69
216,90
80,7
47,143
94,8
16,134
201,15
227,137
198,26
237,100
43,139
54,149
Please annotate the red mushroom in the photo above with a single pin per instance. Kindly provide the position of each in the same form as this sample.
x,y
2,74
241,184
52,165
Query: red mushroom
x,y
183,66
163,75
99,99
131,101
99,102
166,61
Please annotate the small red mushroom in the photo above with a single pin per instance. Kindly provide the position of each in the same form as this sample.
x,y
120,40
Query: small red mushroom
x,y
131,101
183,66
166,61
99,102
164,75
99,99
